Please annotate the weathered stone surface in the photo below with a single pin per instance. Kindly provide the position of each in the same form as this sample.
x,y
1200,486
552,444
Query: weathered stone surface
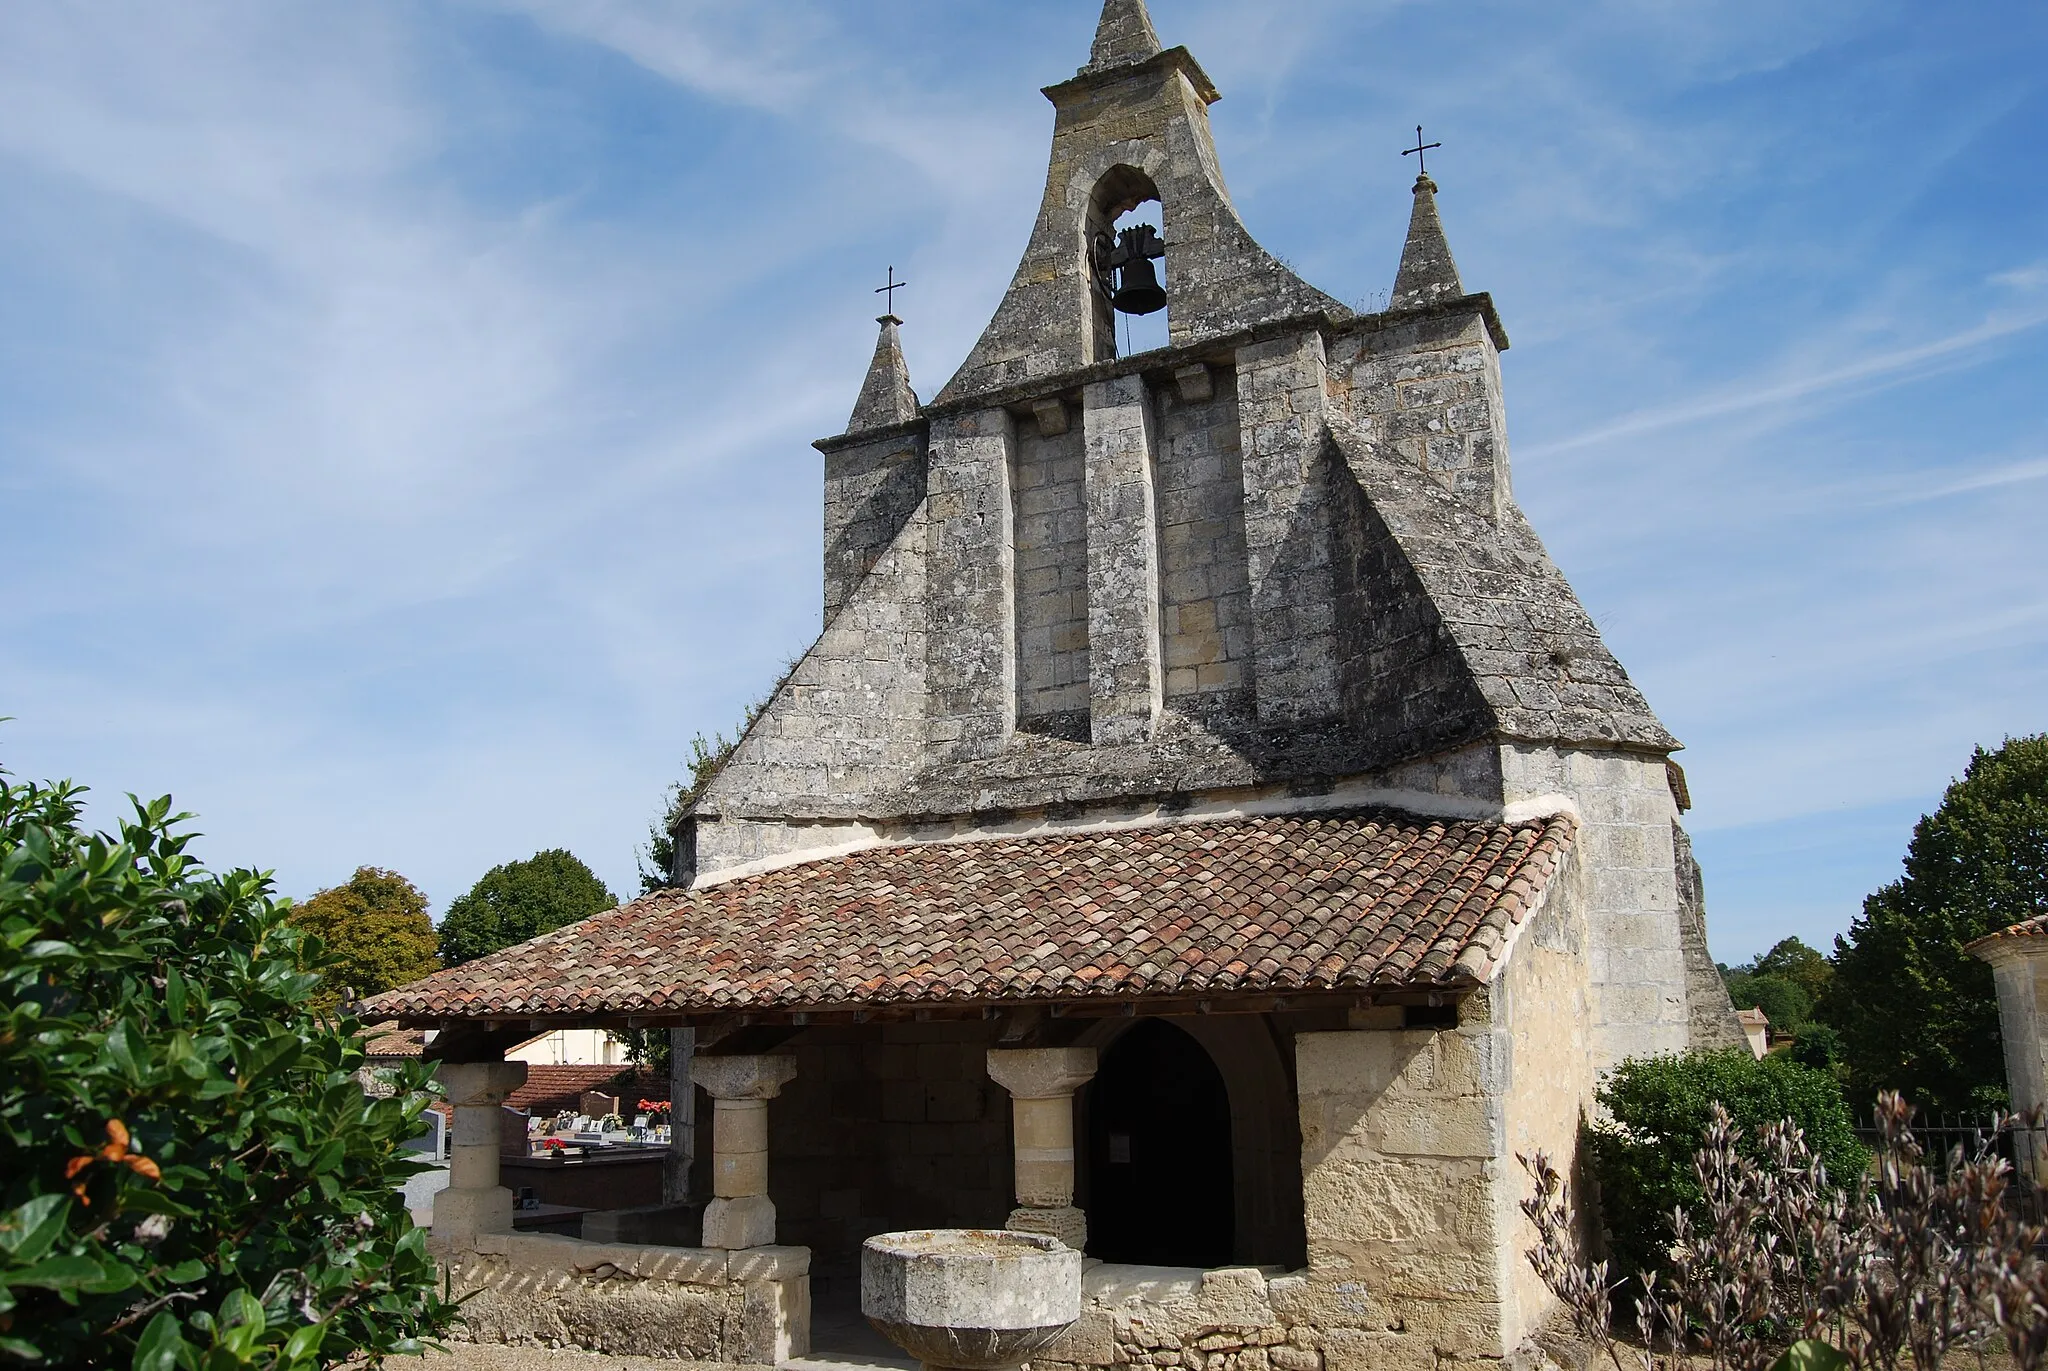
x,y
971,1298
739,1222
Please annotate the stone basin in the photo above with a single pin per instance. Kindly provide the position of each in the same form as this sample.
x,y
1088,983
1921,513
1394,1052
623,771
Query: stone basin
x,y
979,1299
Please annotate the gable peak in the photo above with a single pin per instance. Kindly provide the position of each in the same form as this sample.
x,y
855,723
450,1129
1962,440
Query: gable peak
x,y
1428,272
1123,36
885,397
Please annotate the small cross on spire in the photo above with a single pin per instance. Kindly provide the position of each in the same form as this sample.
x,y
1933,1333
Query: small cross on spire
x,y
890,291
1420,148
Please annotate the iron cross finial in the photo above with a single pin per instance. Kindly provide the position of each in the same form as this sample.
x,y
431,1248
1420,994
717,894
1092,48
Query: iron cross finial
x,y
1420,148
890,290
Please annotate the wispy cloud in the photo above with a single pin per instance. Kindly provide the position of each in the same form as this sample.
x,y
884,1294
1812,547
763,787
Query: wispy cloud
x,y
1892,367
413,401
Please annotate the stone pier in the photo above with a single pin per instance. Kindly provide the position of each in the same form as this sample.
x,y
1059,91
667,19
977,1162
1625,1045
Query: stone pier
x,y
740,1214
473,1201
1042,1082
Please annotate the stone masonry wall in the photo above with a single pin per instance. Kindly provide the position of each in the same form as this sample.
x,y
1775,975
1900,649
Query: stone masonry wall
x,y
971,662
888,1127
1124,676
871,490
1283,419
748,1308
1635,948
1541,1001
1408,1158
1204,583
1052,584
1426,393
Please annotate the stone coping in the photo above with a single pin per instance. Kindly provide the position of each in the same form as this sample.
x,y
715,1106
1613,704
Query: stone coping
x,y
677,1265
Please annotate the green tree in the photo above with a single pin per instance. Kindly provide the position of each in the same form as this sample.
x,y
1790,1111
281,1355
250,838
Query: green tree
x,y
1657,1108
1782,1001
1805,967
1916,1012
376,932
190,1174
521,900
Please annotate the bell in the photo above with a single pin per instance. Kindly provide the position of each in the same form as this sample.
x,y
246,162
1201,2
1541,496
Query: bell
x,y
1140,292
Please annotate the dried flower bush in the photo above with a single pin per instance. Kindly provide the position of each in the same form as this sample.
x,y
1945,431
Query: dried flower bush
x,y
1780,1267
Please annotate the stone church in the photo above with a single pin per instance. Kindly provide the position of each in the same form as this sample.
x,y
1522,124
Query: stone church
x,y
1208,829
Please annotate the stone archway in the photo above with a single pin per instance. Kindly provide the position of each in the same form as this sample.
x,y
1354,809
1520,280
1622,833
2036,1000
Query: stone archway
x,y
1159,1152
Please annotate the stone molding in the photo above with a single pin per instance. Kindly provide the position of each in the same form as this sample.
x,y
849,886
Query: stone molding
x,y
479,1084
1041,1073
744,1078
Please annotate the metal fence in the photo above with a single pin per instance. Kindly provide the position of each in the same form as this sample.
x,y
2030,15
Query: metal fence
x,y
2024,1145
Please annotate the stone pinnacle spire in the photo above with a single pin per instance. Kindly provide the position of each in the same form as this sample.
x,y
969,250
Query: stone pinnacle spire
x,y
1124,36
1428,273
885,397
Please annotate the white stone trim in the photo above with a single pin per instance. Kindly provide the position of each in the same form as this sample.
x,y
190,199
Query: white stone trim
x,y
1356,795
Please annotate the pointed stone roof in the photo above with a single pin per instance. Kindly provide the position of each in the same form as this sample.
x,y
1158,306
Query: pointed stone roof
x,y
885,397
1125,35
1428,273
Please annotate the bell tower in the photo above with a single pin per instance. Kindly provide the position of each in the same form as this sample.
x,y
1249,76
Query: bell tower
x,y
1277,559
1130,126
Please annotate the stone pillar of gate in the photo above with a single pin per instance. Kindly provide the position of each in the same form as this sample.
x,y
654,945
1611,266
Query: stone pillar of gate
x,y
473,1202
740,1214
2019,967
1042,1082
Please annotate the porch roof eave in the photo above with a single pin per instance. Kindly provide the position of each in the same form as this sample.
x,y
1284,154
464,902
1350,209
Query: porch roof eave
x,y
856,1012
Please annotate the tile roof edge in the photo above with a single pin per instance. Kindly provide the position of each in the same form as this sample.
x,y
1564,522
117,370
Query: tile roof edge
x,y
2008,938
1420,803
1486,971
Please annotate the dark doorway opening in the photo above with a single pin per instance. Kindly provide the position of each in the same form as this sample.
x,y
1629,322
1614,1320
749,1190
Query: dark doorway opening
x,y
1159,1177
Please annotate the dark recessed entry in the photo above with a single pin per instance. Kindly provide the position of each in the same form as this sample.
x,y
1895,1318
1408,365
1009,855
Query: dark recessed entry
x,y
1159,1178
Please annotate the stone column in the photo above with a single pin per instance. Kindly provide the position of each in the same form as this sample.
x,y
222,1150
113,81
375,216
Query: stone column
x,y
740,1214
1042,1082
473,1201
2019,967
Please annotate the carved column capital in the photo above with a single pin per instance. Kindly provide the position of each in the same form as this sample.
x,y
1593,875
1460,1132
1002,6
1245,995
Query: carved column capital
x,y
1041,1073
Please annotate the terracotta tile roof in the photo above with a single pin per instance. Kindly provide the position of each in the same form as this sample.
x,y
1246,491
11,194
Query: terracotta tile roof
x,y
386,1040
1359,899
549,1089
2026,928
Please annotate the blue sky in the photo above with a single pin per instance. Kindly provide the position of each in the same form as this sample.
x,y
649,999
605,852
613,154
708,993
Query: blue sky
x,y
404,408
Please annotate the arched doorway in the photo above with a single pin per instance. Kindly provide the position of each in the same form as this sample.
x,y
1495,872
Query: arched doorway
x,y
1159,1169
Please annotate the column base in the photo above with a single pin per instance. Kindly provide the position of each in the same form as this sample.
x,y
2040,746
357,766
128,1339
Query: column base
x,y
461,1214
738,1222
1068,1224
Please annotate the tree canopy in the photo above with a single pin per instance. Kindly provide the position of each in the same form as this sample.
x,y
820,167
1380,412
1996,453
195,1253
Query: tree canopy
x,y
376,933
190,1172
1785,982
1917,1013
521,900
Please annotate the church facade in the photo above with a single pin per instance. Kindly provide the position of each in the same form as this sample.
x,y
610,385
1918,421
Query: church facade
x,y
1208,828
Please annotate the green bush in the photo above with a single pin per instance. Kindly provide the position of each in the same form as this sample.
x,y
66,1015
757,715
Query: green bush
x,y
1657,1111
190,1175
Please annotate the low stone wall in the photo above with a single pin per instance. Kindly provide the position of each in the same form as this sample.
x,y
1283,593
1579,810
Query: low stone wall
x,y
1249,1318
1230,1319
746,1308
